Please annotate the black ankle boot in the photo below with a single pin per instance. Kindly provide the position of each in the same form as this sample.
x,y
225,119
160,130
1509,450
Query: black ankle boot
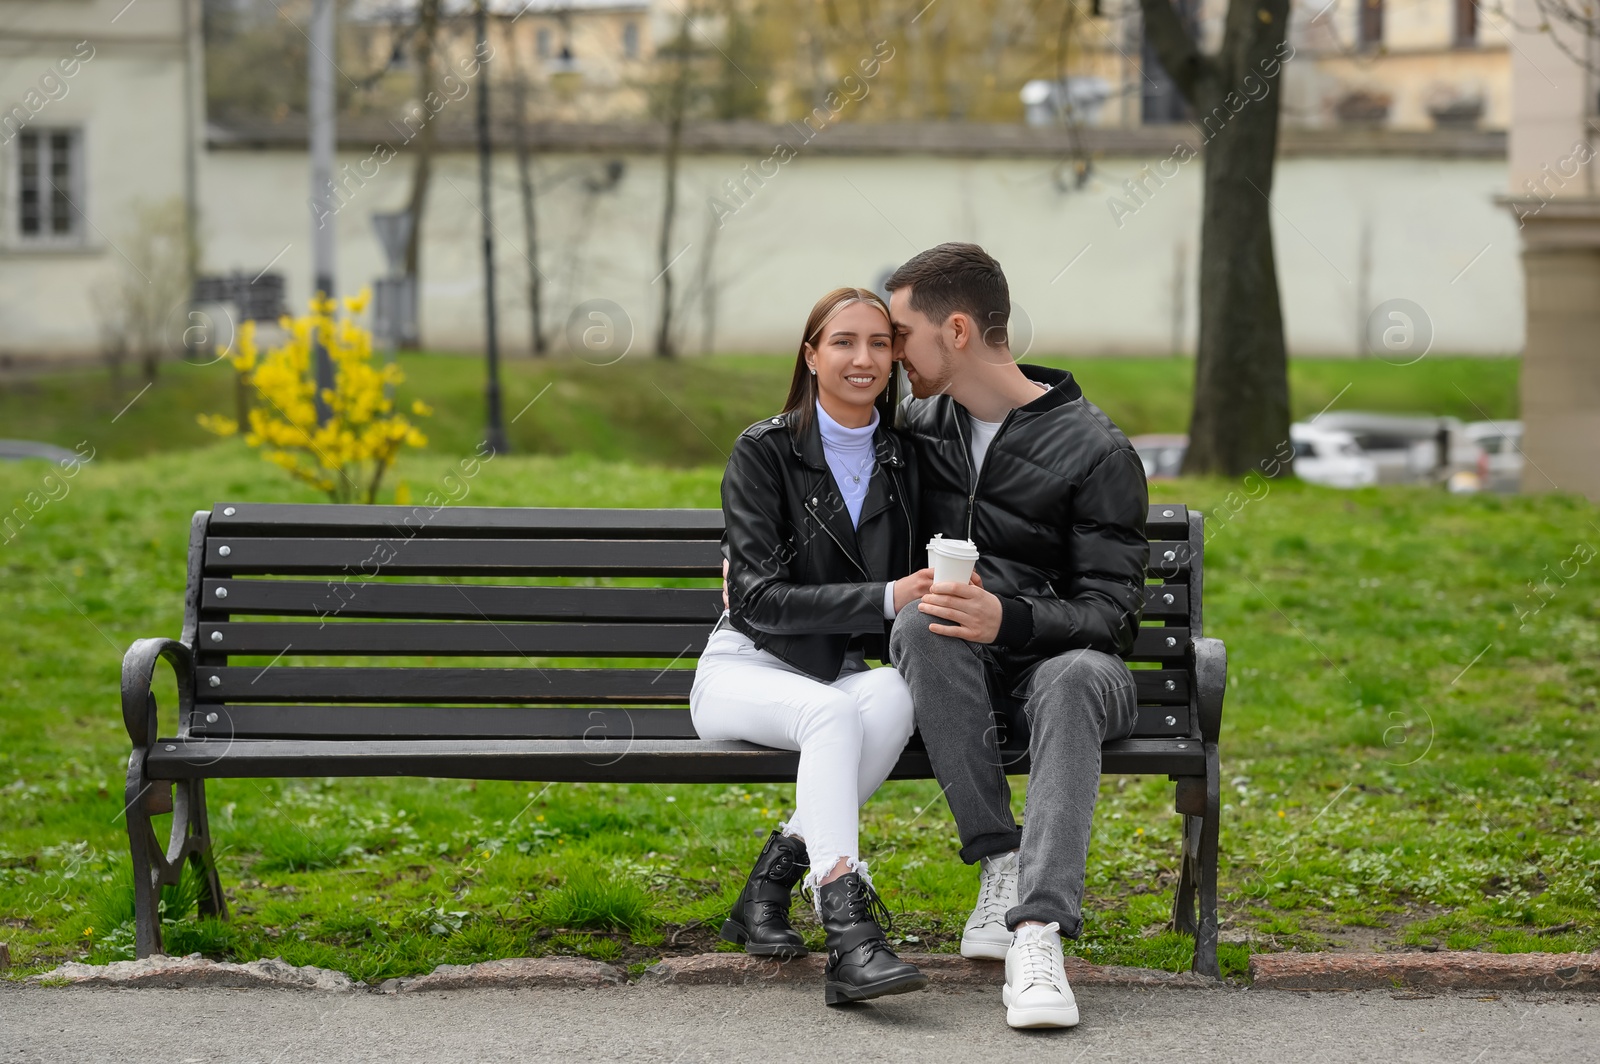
x,y
760,918
860,963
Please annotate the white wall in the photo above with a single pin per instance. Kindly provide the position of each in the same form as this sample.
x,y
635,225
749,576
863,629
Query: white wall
x,y
1436,238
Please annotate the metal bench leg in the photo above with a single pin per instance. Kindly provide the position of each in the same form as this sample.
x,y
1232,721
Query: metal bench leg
x,y
191,811
1183,902
147,866
188,842
1194,903
1205,940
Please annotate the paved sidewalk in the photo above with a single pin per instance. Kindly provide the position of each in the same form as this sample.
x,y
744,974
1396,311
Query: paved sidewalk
x,y
783,1023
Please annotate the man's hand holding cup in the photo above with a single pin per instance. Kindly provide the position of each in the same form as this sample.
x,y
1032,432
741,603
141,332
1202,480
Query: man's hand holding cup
x,y
956,595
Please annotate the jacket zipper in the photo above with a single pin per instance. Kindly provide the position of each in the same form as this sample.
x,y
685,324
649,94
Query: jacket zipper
x,y
975,476
911,526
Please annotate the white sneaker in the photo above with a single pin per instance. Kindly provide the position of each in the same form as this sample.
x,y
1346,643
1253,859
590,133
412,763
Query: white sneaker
x,y
986,936
1036,991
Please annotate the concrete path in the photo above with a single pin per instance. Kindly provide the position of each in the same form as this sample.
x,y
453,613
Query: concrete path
x,y
778,1023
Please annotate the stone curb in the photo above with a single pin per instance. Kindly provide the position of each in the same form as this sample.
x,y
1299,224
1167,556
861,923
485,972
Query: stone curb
x,y
511,974
195,971
943,970
1426,971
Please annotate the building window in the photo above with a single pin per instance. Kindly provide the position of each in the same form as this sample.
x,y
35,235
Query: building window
x,y
1466,23
49,183
630,40
541,43
1370,32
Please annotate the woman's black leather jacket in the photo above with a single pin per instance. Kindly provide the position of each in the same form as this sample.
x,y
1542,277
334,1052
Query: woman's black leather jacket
x,y
802,583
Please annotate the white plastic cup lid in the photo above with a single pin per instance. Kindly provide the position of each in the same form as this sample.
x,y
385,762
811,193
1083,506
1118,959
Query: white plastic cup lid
x,y
953,548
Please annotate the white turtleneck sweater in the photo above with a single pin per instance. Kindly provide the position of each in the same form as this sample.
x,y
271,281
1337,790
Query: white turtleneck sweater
x,y
850,458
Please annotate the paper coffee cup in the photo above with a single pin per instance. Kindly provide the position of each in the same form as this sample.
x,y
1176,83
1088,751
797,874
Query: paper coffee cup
x,y
952,559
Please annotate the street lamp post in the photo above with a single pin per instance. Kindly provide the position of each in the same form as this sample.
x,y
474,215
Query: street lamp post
x,y
495,433
322,113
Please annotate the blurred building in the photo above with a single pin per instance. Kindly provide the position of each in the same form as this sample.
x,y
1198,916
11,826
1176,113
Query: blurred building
x,y
808,161
577,60
1367,64
100,132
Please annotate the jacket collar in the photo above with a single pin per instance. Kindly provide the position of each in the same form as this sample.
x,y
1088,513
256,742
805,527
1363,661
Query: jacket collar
x,y
1063,389
808,446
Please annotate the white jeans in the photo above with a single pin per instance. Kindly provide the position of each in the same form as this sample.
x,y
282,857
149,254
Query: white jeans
x,y
849,733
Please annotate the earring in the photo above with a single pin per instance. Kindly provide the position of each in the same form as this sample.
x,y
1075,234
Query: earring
x,y
813,371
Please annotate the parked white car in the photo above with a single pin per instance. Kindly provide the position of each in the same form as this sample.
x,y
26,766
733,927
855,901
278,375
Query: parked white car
x,y
1331,457
1161,453
1499,446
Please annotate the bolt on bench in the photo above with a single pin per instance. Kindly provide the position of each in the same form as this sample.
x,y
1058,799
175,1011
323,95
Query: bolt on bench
x,y
393,582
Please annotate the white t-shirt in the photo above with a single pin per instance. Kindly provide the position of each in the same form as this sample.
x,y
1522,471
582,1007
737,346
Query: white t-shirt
x,y
983,433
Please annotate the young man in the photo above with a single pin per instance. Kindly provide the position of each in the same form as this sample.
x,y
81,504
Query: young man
x,y
1018,461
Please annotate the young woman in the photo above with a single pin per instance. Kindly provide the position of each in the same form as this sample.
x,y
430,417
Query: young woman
x,y
818,503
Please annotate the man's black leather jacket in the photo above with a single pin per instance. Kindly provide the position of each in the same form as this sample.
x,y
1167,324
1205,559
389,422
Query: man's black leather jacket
x,y
1057,512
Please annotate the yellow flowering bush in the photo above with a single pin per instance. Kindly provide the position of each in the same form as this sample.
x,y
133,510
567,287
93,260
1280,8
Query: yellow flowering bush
x,y
349,453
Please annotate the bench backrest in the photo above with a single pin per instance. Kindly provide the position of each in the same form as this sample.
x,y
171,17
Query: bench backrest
x,y
392,589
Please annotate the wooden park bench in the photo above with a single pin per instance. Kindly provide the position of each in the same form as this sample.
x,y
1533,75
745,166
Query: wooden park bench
x,y
391,582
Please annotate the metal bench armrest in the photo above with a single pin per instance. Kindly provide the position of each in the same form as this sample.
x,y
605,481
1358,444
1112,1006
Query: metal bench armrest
x,y
1210,660
138,673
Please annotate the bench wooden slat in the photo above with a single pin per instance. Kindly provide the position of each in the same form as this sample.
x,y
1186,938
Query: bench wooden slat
x,y
420,521
457,639
511,639
360,559
490,602
525,686
354,723
500,602
1164,521
574,760
1166,602
431,722
363,558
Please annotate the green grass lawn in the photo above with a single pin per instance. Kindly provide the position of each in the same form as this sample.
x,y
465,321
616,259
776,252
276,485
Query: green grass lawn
x,y
685,413
1410,753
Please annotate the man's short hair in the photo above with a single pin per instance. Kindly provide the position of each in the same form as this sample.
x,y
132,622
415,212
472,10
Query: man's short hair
x,y
954,277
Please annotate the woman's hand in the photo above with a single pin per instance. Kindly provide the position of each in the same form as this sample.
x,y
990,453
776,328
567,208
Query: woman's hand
x,y
908,589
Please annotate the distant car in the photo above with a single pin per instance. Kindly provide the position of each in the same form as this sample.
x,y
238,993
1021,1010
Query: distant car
x,y
1407,448
1161,454
1499,447
1331,458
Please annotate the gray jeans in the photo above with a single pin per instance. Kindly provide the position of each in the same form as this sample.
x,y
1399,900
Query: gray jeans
x,y
1073,702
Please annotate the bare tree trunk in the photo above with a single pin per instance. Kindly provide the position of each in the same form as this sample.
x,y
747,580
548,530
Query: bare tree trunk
x,y
1241,393
677,104
422,168
707,283
530,217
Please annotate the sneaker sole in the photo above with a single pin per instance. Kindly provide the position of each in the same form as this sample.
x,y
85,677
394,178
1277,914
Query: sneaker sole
x,y
979,950
1038,1015
1041,1017
835,993
732,932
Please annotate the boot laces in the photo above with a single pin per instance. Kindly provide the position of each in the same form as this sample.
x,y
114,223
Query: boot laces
x,y
866,904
